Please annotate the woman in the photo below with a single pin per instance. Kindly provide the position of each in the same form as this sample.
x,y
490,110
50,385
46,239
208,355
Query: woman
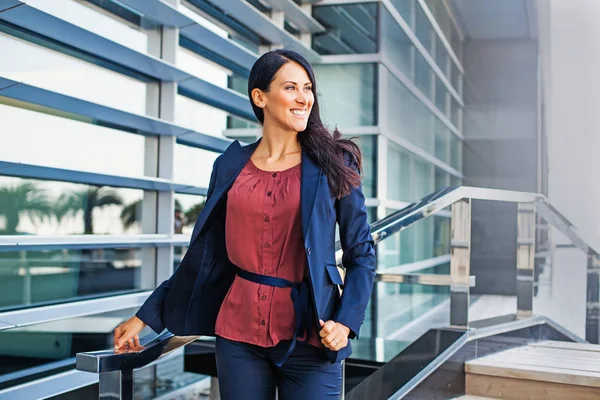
x,y
260,271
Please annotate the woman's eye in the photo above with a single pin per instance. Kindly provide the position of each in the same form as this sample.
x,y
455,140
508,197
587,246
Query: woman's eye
x,y
308,88
290,87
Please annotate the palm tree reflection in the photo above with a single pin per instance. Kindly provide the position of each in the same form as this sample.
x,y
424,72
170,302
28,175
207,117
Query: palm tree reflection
x,y
23,199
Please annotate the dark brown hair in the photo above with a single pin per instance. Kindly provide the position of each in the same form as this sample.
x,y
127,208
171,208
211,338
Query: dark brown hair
x,y
340,159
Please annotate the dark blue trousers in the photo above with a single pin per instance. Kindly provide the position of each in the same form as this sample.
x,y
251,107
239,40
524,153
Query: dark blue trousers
x,y
248,372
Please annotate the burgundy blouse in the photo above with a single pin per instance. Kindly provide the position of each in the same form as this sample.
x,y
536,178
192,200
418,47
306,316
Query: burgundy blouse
x,y
263,234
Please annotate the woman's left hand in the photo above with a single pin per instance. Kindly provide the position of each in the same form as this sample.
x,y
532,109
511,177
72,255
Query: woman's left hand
x,y
334,335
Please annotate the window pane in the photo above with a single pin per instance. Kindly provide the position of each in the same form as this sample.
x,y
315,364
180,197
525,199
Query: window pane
x,y
347,94
442,179
399,173
455,77
42,277
58,72
424,179
193,166
35,138
455,113
200,67
456,152
405,8
33,207
441,96
396,45
350,29
442,141
99,23
187,209
423,76
368,146
423,30
441,55
199,117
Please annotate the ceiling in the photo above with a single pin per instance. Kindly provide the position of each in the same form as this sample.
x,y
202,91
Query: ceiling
x,y
496,19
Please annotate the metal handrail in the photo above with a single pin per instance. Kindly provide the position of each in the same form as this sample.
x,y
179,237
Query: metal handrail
x,y
108,361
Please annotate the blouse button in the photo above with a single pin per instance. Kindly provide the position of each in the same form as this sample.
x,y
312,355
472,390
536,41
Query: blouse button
x,y
268,193
267,244
263,297
274,174
262,322
266,271
267,219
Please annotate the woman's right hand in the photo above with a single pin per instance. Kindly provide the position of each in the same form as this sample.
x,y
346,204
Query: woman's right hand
x,y
126,334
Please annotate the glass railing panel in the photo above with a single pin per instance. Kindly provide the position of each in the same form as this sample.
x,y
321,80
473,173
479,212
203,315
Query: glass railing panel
x,y
29,278
38,350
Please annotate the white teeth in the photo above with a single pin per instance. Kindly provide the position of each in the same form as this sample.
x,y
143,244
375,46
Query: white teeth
x,y
299,112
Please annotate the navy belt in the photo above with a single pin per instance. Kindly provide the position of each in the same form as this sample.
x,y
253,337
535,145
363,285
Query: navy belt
x,y
300,295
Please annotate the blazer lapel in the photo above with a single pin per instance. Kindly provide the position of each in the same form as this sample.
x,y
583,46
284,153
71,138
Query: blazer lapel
x,y
309,186
233,162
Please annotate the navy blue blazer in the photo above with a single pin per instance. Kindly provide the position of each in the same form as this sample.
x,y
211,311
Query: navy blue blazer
x,y
188,303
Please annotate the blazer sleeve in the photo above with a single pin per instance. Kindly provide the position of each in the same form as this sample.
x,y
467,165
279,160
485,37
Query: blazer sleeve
x,y
358,259
151,312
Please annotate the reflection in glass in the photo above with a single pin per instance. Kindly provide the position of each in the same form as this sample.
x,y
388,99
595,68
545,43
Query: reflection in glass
x,y
442,178
399,173
423,76
396,45
399,304
347,94
56,208
45,277
368,146
456,152
455,113
405,8
52,70
424,30
350,29
50,348
26,139
441,96
100,23
193,166
200,117
187,210
442,141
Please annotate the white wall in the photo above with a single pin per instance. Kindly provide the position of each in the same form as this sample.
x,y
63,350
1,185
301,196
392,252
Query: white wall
x,y
569,34
571,66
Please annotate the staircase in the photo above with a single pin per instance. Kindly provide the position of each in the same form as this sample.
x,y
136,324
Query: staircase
x,y
548,370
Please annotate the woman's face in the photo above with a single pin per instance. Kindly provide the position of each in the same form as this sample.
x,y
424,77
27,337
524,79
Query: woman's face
x,y
289,100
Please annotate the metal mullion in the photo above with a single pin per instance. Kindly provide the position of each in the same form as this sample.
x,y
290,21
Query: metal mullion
x,y
80,308
438,30
419,152
419,46
411,87
29,171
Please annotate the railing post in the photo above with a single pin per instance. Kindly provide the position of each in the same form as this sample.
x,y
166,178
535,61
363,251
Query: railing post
x,y
460,263
592,317
116,385
525,258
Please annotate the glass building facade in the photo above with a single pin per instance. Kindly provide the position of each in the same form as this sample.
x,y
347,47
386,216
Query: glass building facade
x,y
113,112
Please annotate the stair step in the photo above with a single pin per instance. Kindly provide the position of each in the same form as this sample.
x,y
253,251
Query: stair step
x,y
546,370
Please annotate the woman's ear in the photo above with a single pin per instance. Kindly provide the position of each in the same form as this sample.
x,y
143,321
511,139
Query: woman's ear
x,y
258,98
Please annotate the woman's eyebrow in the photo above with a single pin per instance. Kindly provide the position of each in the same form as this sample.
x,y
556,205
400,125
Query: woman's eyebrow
x,y
295,83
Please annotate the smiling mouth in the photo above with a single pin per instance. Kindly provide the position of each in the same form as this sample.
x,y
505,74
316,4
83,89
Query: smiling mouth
x,y
300,113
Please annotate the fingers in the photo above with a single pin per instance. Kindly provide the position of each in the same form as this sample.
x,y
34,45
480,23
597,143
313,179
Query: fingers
x,y
136,341
117,335
327,328
333,337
